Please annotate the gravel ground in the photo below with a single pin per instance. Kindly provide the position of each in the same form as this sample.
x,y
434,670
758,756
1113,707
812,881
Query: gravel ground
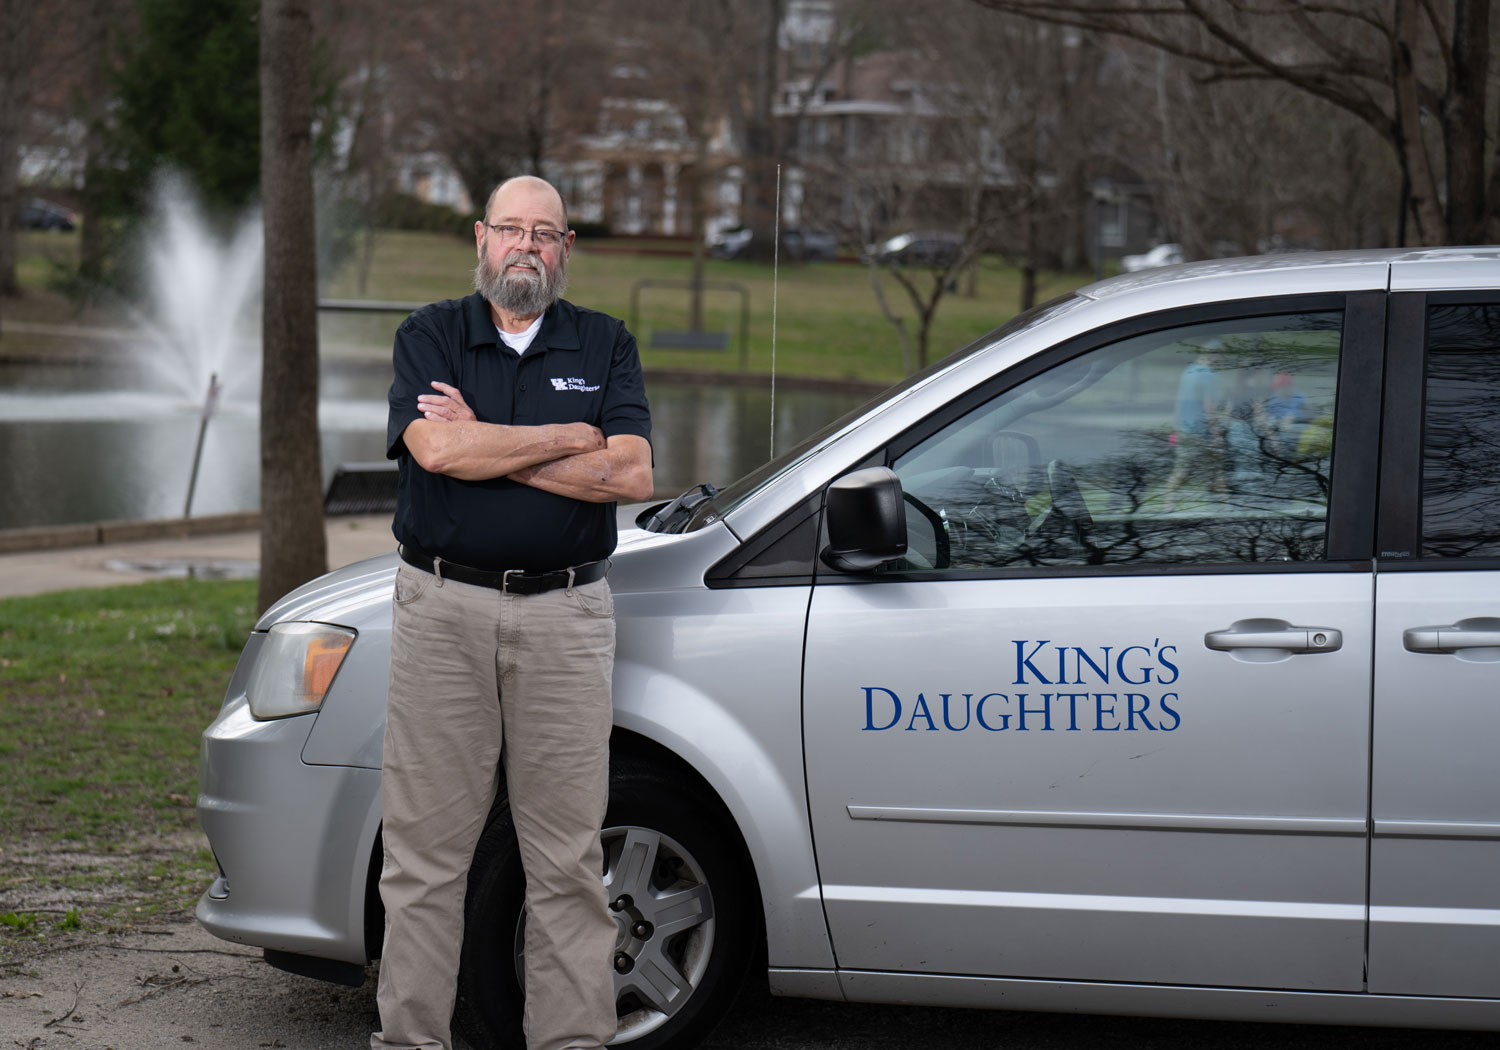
x,y
165,982
169,986
175,985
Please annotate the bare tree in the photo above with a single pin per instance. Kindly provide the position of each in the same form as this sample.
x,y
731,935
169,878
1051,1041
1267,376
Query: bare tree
x,y
984,129
364,38
293,546
680,62
749,70
1400,67
676,52
1216,196
912,176
1039,120
54,65
96,22
31,53
493,91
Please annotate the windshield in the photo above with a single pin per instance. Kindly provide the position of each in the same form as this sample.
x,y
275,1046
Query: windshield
x,y
733,495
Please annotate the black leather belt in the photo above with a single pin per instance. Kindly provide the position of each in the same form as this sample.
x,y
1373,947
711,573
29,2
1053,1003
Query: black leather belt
x,y
511,581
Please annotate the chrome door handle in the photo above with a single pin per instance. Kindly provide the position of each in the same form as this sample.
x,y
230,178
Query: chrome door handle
x,y
1275,634
1482,632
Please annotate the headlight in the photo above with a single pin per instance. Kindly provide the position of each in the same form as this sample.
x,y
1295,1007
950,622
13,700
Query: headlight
x,y
295,668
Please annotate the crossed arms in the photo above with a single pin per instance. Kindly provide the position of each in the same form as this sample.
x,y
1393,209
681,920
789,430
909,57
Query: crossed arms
x,y
568,459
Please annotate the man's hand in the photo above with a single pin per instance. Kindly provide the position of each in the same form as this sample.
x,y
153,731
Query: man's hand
x,y
446,406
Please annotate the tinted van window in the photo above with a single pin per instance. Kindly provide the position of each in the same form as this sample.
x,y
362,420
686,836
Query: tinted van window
x,y
1461,442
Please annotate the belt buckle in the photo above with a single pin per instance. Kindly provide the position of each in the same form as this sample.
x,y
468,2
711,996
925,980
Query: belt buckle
x,y
505,579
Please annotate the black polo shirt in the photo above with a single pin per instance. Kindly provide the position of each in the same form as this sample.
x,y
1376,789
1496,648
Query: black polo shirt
x,y
582,367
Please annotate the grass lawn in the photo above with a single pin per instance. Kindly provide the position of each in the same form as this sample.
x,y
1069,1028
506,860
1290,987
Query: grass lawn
x,y
103,694
828,322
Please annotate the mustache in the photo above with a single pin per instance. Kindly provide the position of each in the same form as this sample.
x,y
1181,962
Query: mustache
x,y
518,255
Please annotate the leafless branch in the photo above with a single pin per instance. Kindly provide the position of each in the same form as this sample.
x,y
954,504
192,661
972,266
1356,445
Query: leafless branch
x,y
1333,91
183,951
155,984
1344,56
897,322
77,991
1435,20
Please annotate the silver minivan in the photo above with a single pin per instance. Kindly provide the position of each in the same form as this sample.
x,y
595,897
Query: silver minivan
x,y
1141,657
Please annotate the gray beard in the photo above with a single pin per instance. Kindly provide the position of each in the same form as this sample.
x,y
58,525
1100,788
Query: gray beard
x,y
520,293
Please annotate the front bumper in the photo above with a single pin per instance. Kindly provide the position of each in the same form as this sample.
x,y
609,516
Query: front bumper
x,y
294,842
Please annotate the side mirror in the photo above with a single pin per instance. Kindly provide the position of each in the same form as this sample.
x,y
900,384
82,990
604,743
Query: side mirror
x,y
866,520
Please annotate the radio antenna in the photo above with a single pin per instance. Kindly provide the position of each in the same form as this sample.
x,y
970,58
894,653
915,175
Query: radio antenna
x,y
775,274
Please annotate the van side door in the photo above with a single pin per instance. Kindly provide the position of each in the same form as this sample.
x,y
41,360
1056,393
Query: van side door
x,y
1435,856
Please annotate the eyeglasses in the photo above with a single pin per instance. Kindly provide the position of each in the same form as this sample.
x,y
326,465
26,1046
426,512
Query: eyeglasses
x,y
540,235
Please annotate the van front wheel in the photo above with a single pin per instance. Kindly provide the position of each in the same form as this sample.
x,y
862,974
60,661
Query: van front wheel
x,y
680,897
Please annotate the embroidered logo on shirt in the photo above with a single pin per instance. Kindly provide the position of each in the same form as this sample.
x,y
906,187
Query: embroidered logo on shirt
x,y
573,383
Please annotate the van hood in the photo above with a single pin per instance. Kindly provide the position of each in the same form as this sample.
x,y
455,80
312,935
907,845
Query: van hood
x,y
354,594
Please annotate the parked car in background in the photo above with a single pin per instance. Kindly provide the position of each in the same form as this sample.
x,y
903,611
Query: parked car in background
x,y
1161,255
1022,686
38,214
798,245
934,248
730,244
810,245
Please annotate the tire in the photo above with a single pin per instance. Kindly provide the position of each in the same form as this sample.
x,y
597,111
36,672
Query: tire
x,y
678,845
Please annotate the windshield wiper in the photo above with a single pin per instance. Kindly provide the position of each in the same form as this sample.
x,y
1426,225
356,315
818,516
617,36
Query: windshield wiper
x,y
674,515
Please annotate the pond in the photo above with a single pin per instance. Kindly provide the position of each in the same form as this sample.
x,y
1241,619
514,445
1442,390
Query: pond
x,y
84,443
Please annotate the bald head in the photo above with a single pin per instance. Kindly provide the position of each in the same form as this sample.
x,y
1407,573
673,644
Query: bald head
x,y
527,190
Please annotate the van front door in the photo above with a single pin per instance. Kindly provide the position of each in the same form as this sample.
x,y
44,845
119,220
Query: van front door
x,y
1108,719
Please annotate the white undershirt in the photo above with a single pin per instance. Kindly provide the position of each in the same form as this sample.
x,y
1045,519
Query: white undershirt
x,y
519,341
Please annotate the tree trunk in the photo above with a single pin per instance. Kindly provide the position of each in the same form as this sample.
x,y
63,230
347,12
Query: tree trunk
x,y
898,323
761,152
293,546
698,186
1030,249
91,246
924,326
1407,132
16,21
1464,122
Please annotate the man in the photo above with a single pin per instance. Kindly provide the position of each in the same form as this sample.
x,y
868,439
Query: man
x,y
518,420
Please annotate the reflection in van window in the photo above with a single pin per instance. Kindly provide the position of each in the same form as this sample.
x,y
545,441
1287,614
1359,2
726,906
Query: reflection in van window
x,y
1202,444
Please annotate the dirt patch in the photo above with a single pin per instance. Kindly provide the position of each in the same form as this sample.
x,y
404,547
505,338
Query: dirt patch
x,y
108,957
172,985
177,986
164,981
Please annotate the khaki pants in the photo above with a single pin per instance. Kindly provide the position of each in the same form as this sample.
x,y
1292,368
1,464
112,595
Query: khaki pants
x,y
471,668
